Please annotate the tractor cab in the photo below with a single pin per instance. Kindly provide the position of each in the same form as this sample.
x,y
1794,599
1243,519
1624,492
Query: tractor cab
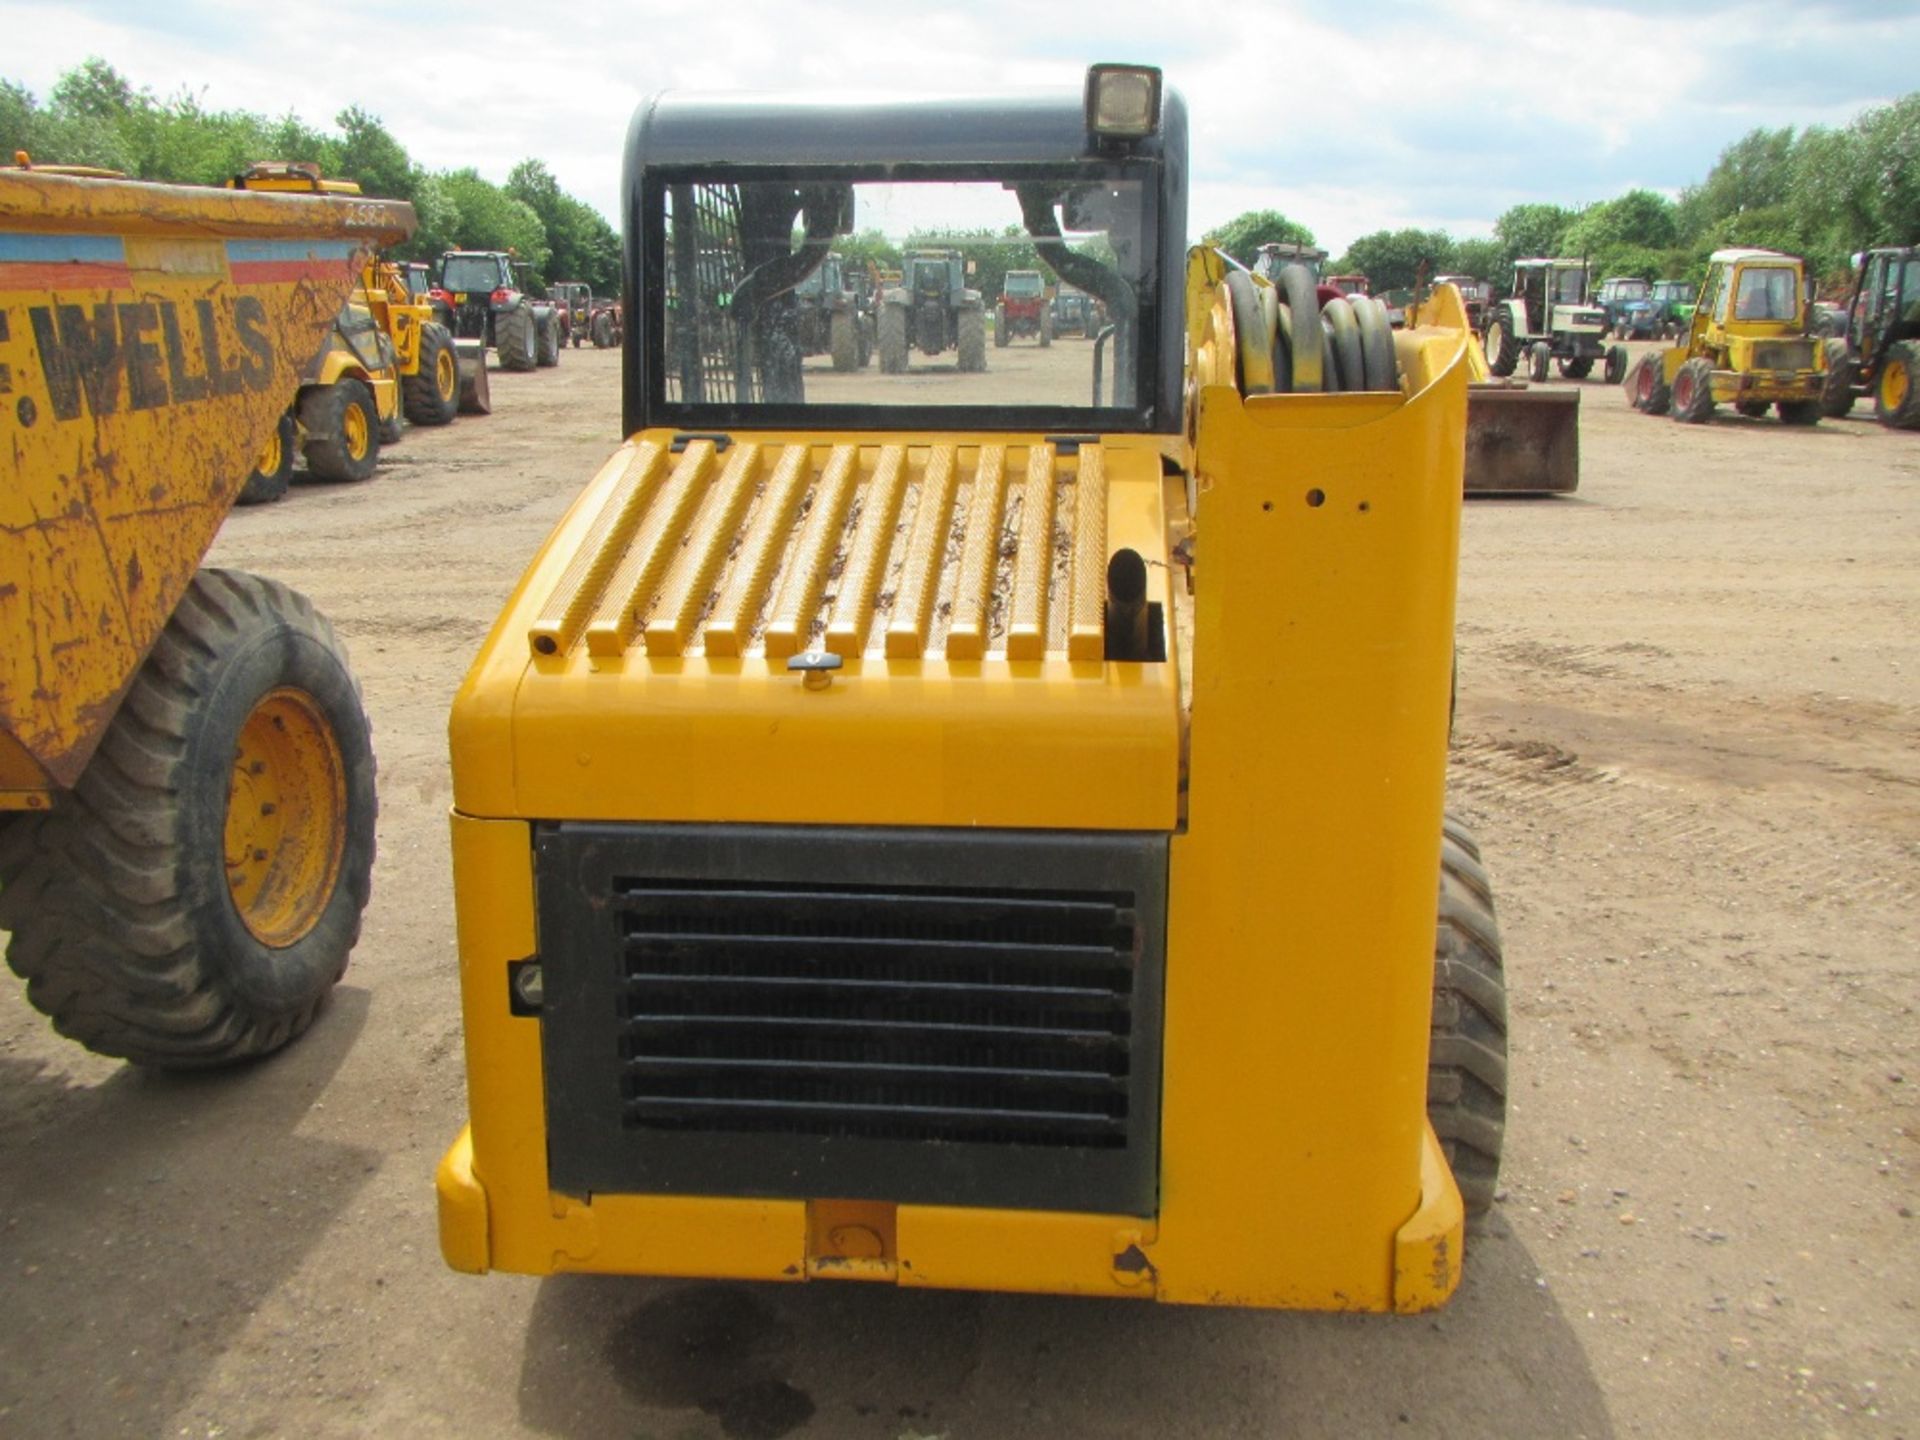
x,y
1547,318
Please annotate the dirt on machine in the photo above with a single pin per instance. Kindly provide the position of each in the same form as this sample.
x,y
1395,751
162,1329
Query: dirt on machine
x,y
1051,888
186,776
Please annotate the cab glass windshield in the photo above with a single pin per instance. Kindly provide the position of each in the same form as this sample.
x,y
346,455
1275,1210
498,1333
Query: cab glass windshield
x,y
877,297
1767,292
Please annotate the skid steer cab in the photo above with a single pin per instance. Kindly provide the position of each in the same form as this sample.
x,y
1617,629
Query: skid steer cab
x,y
881,854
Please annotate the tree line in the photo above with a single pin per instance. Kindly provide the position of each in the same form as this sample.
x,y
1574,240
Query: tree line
x,y
93,116
1820,193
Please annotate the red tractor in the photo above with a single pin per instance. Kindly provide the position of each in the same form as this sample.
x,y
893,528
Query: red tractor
x,y
1023,309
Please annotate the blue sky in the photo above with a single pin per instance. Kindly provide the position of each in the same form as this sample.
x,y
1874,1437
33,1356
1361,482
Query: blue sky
x,y
1349,117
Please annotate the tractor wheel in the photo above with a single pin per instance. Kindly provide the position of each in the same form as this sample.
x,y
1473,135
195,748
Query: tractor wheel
x,y
1616,369
842,340
1693,393
197,896
1538,359
1467,1058
1798,412
343,431
546,331
1502,345
268,482
863,328
1000,335
432,395
391,430
971,342
1577,367
893,339
514,340
1896,398
602,331
1836,398
1650,390
1752,409
1046,325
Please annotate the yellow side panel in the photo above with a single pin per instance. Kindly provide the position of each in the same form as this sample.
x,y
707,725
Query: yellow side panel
x,y
1302,894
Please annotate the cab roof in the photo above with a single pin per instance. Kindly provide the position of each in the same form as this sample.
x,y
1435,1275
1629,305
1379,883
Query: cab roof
x,y
1728,257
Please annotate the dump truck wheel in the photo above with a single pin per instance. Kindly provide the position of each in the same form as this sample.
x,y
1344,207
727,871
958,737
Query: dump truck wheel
x,y
971,341
1836,394
1896,398
197,896
1616,369
1693,393
1000,335
514,339
268,482
1577,368
1467,1059
546,340
1798,412
1539,358
843,341
343,431
1651,392
432,397
1502,346
893,339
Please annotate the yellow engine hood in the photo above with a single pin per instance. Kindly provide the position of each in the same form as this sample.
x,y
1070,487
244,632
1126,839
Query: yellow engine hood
x,y
641,669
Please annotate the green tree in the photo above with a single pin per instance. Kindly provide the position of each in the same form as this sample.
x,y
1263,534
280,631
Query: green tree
x,y
491,219
1482,259
1530,231
1242,236
1393,259
93,89
368,154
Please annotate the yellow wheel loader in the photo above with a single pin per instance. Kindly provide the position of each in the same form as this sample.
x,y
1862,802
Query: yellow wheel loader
x,y
992,837
186,778
1749,345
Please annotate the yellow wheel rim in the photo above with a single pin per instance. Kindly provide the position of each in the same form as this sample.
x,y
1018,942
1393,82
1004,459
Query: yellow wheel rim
x,y
1894,386
353,429
286,817
446,375
269,463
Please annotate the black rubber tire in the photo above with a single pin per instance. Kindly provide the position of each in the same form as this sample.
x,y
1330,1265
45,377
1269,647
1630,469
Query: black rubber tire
x,y
1381,361
1306,371
1577,367
970,342
1250,334
1539,357
1467,1058
1349,370
1893,407
843,341
1652,394
514,340
546,340
1000,335
893,339
268,482
1837,396
1616,365
863,330
1692,399
123,924
602,331
1798,412
432,396
326,414
1502,345
1752,409
1046,325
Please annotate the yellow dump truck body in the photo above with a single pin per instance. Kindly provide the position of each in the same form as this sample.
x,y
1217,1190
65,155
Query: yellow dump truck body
x,y
150,338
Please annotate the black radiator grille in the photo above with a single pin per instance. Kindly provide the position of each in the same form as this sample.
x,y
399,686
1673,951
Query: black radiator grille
x,y
891,1012
923,1016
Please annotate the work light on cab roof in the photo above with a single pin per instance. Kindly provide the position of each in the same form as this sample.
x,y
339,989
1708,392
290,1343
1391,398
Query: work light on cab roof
x,y
1123,101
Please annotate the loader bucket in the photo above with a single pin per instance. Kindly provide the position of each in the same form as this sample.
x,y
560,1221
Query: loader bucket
x,y
151,337
476,398
1522,441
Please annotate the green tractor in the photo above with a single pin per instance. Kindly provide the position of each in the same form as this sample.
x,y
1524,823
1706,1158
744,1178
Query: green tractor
x,y
1879,353
932,310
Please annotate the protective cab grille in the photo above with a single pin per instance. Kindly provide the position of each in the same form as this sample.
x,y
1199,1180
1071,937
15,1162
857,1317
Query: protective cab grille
x,y
947,1017
1783,355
